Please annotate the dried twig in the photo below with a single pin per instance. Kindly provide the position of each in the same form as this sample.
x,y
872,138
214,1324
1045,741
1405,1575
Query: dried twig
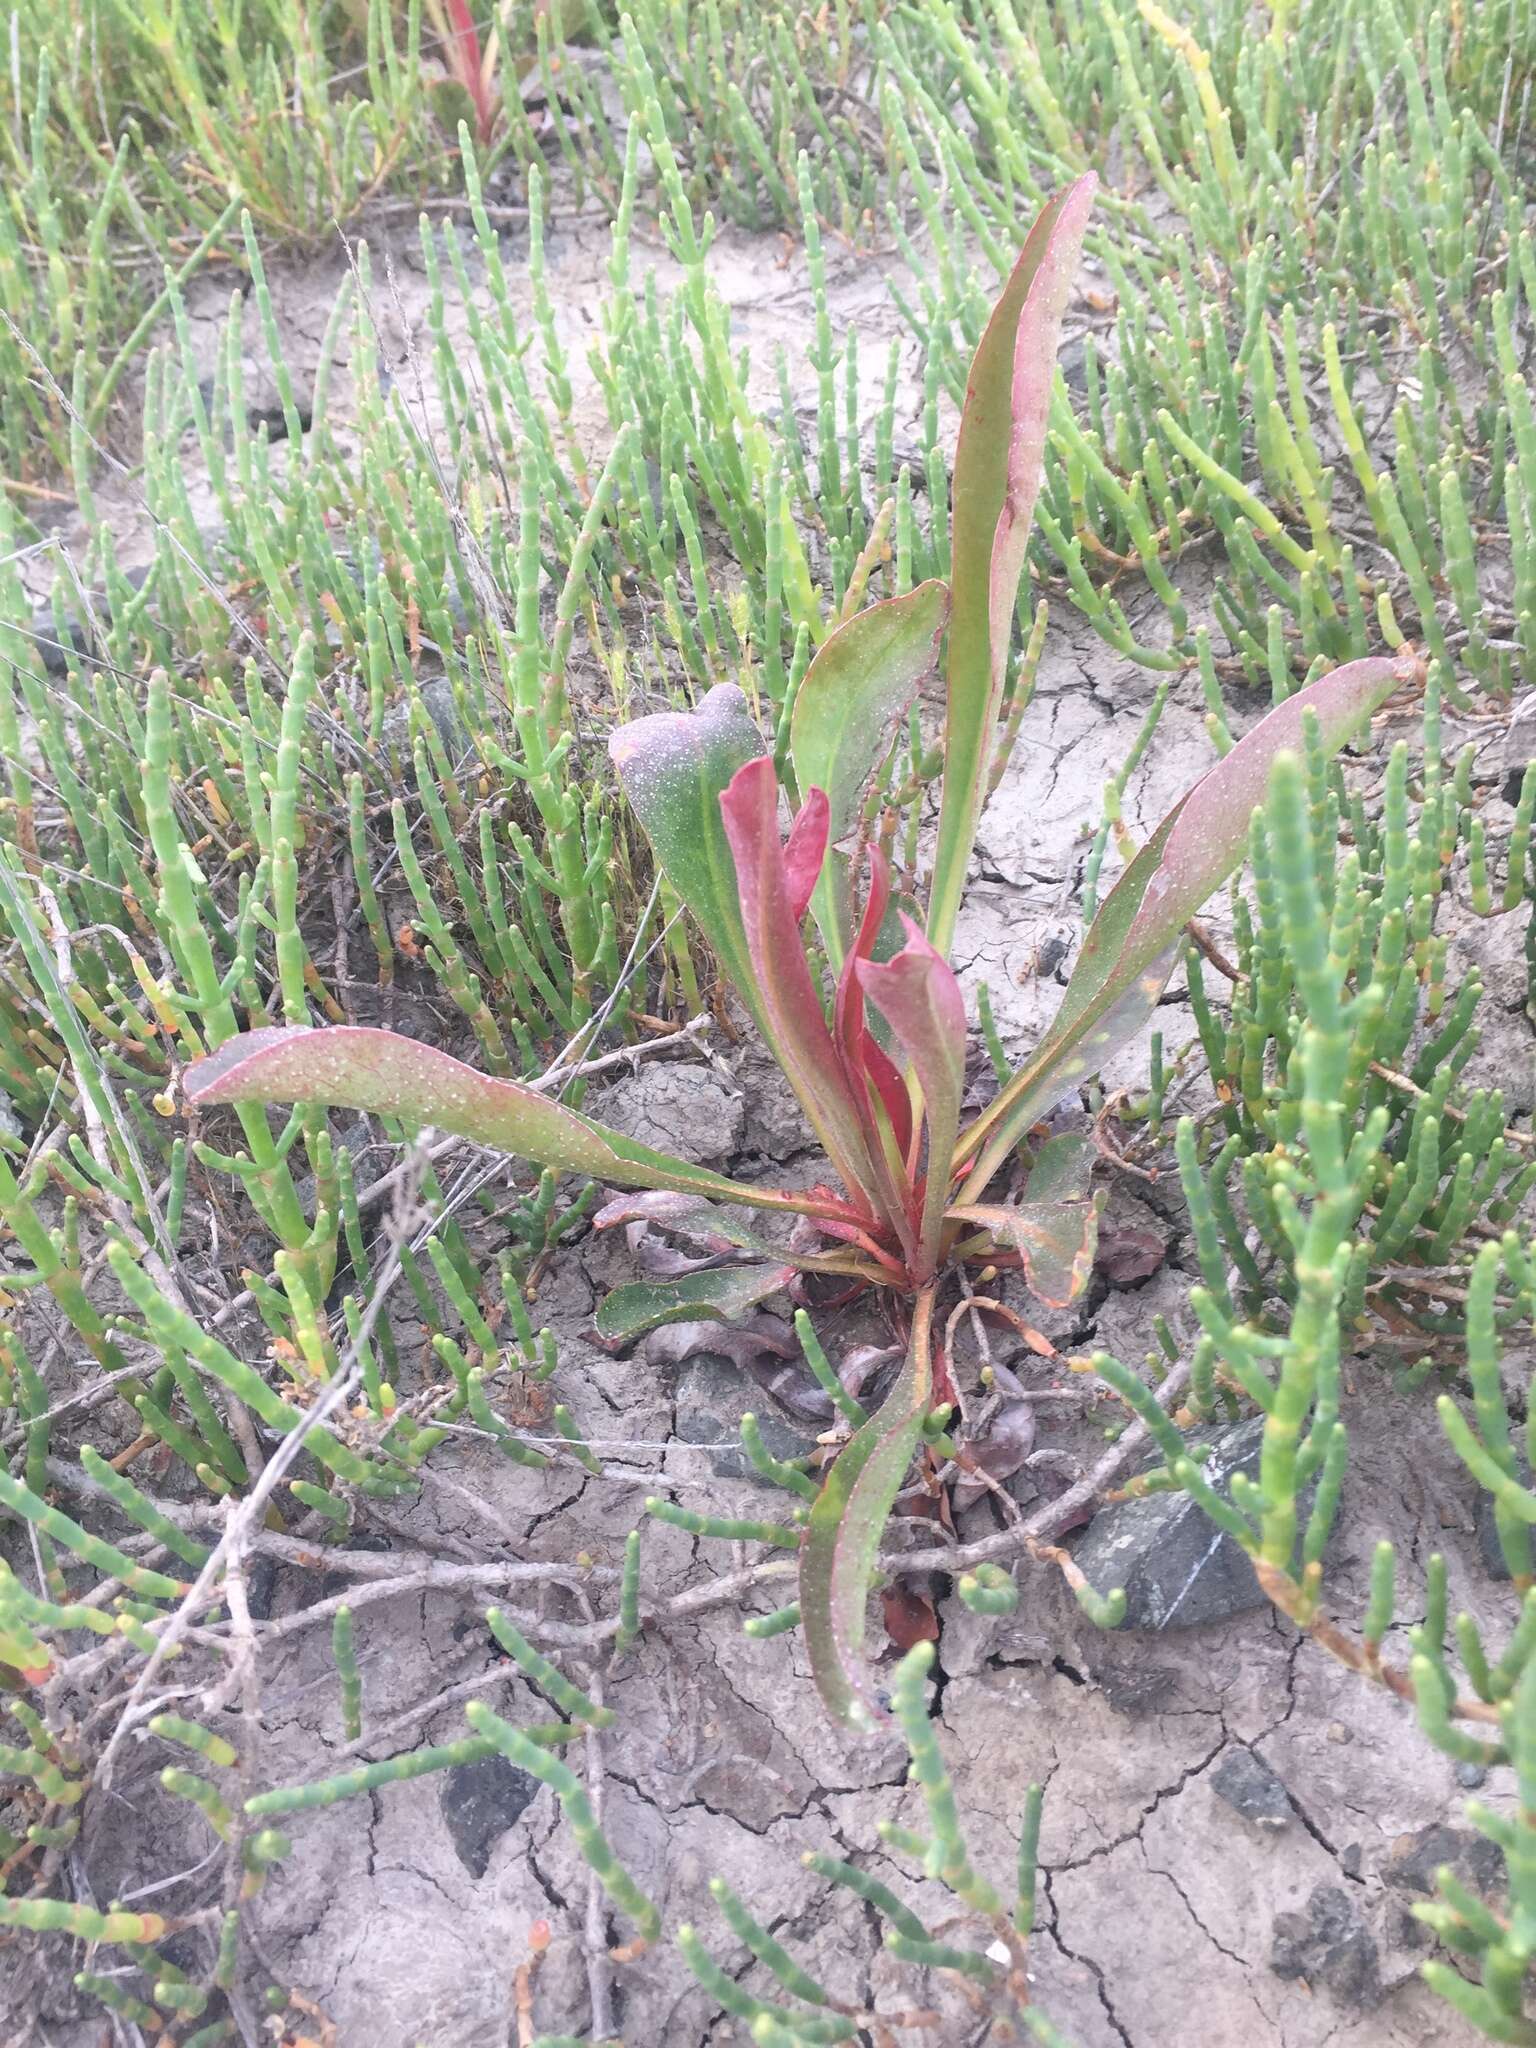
x,y
251,1511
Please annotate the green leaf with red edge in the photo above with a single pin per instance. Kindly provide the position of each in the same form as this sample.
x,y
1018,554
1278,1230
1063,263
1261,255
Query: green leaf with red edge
x,y
861,681
880,1094
1061,1170
351,1066
919,997
862,1053
847,1521
719,1295
795,1025
675,767
805,853
1055,1227
998,460
1129,951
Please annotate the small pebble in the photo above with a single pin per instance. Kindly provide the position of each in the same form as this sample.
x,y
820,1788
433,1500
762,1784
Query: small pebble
x,y
1337,1732
1250,1788
1471,1776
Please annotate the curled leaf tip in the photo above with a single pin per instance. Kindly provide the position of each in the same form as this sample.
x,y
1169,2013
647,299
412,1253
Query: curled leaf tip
x,y
215,1078
805,850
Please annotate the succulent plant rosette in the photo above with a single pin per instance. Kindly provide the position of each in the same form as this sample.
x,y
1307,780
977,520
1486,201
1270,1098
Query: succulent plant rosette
x,y
844,970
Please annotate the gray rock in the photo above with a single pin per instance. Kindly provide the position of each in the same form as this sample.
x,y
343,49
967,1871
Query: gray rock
x,y
685,1110
47,648
1415,1858
1495,948
1074,368
712,1396
1177,1568
1250,1788
1327,1943
436,699
79,641
1135,1693
480,1802
10,1122
368,1163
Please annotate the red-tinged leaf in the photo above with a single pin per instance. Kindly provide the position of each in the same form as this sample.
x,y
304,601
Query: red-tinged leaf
x,y
749,811
1055,1242
468,66
866,1063
1129,952
658,1260
675,767
863,679
1055,1227
998,460
805,850
653,1252
945,1393
919,997
846,1524
725,1294
853,1233
891,1089
662,1207
353,1066
910,1616
848,1011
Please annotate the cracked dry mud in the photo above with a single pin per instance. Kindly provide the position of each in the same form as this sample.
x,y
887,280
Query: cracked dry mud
x,y
1171,1917
1177,1910
1164,1909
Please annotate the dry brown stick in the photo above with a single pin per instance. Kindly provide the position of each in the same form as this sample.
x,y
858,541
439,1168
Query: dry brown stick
x,y
1409,1087
1205,944
382,1578
241,1679
1047,1522
560,1635
445,1578
361,1564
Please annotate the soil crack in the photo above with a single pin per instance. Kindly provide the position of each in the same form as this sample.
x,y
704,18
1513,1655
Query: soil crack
x,y
1163,1794
1085,1962
1188,1905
